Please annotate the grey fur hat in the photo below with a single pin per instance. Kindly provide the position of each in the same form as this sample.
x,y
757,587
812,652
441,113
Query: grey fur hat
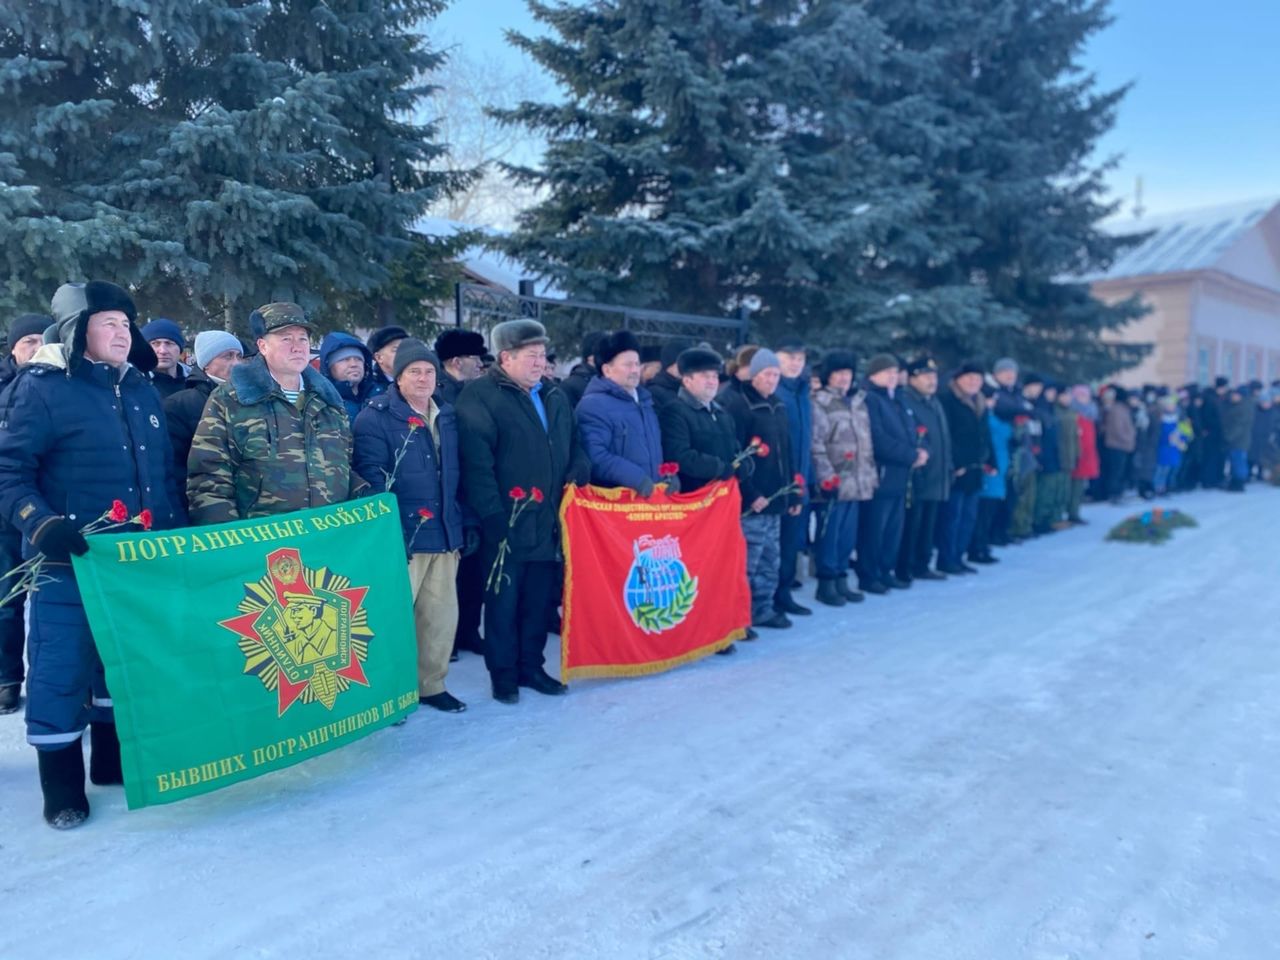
x,y
514,334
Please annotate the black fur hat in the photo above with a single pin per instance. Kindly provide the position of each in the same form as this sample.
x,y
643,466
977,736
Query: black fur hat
x,y
698,359
837,360
74,303
614,344
457,342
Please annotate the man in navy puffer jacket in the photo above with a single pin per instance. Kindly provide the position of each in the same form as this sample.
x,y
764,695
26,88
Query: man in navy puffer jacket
x,y
617,423
82,427
407,418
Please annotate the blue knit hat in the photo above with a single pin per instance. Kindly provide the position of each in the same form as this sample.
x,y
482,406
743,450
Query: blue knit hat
x,y
162,329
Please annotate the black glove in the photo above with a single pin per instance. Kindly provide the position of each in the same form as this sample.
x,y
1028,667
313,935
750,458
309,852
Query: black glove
x,y
673,484
470,541
746,468
57,539
646,488
582,476
495,529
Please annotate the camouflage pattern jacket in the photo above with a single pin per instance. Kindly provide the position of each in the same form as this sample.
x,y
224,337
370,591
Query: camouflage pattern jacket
x,y
256,454
842,446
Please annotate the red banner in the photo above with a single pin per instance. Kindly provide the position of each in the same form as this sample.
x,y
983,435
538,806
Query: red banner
x,y
652,583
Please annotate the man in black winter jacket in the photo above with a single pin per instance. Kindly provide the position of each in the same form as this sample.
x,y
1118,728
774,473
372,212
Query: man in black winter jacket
x,y
461,354
216,352
667,383
518,434
698,434
26,335
930,484
966,412
575,384
771,489
893,438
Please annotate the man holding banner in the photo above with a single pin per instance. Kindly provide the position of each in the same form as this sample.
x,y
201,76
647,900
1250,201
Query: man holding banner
x,y
274,437
616,423
83,444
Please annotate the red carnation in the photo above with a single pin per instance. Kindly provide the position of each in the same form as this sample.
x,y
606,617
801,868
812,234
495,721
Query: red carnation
x,y
756,442
416,422
119,512
831,483
536,495
763,451
426,514
848,455
516,493
921,430
668,469
798,479
1020,419
144,518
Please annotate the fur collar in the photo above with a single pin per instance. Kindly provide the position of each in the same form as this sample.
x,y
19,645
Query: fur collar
x,y
252,383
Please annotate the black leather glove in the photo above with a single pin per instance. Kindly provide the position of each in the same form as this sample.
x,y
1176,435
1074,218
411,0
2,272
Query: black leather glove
x,y
470,541
495,529
57,539
746,468
645,489
582,476
673,483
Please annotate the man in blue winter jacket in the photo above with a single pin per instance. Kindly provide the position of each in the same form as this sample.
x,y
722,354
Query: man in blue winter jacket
x,y
617,423
81,428
348,365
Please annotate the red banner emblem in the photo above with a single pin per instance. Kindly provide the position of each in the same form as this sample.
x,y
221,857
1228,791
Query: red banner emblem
x,y
650,583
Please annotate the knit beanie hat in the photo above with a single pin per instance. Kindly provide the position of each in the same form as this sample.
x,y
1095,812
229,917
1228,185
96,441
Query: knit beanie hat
x,y
881,362
411,350
211,343
764,359
162,329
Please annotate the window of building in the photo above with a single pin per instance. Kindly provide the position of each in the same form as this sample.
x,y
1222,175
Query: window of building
x,y
1204,365
1252,365
1230,364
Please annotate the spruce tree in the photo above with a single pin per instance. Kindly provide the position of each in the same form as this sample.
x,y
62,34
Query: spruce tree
x,y
707,155
900,174
1015,197
218,154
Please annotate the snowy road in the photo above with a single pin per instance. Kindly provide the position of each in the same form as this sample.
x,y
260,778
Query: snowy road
x,y
1071,756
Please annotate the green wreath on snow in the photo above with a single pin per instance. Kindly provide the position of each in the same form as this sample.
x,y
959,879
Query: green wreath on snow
x,y
1154,526
654,619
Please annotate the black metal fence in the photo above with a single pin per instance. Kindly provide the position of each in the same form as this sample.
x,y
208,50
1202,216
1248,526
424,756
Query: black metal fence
x,y
479,308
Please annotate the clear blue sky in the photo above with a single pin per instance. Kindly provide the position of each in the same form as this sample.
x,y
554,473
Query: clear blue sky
x,y
1201,125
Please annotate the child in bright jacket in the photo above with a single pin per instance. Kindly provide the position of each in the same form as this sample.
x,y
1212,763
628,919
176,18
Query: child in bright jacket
x,y
1176,434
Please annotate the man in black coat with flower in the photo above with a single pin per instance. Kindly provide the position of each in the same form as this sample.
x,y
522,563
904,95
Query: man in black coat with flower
x,y
518,436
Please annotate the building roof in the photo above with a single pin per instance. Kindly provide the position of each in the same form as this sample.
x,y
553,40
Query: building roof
x,y
1181,242
482,261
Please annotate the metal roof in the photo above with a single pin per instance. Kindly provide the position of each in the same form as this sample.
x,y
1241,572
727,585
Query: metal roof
x,y
1179,242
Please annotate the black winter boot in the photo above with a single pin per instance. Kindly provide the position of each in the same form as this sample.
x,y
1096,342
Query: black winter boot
x,y
62,783
830,594
850,594
104,755
10,697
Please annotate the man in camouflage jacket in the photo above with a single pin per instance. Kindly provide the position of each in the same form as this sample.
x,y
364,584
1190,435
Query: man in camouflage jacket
x,y
274,437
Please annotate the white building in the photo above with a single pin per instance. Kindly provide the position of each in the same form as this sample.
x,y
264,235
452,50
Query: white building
x,y
1212,280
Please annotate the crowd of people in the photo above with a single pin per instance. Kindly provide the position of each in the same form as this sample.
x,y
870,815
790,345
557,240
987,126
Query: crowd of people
x,y
879,473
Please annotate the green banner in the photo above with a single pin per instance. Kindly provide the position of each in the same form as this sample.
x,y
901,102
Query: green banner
x,y
240,648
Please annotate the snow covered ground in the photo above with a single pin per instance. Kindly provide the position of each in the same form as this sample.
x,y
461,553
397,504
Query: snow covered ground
x,y
1073,755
